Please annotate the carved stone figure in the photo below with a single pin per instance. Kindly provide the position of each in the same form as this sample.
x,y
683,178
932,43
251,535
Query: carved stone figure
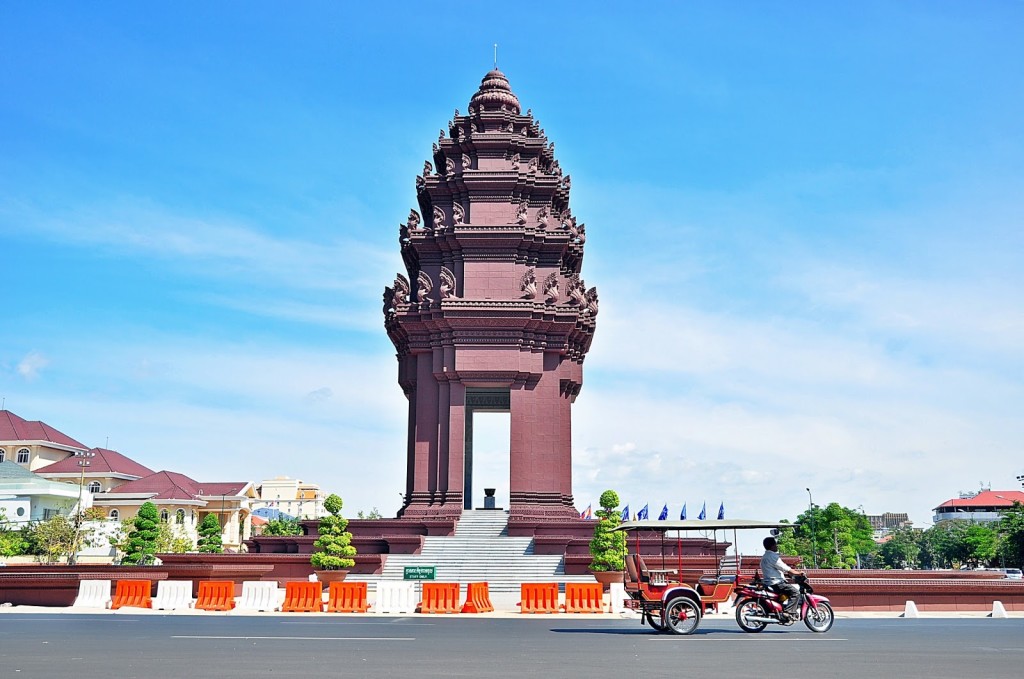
x,y
542,217
462,134
532,167
592,302
577,292
529,113
472,128
567,181
421,183
581,236
515,161
434,148
401,291
413,222
447,289
510,127
449,166
467,162
551,293
528,284
526,131
440,135
472,111
521,213
456,113
570,226
438,218
428,168
423,288
458,214
556,169
403,234
389,296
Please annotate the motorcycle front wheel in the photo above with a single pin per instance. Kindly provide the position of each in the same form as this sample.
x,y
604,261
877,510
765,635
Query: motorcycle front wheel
x,y
682,616
819,618
746,609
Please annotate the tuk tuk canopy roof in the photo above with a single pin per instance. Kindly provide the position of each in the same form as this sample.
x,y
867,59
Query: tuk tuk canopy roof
x,y
698,524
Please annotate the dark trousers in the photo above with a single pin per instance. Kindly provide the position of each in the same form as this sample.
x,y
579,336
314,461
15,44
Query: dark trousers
x,y
791,590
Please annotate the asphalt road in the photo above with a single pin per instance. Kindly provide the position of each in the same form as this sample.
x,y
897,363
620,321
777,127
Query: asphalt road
x,y
196,647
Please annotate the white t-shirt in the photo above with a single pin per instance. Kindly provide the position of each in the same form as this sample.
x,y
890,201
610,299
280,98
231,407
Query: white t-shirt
x,y
773,567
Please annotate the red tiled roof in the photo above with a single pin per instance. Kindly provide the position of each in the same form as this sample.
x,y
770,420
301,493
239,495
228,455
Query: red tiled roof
x,y
174,486
987,498
14,428
103,461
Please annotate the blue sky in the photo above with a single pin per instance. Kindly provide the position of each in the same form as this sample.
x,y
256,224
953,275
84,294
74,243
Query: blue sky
x,y
804,221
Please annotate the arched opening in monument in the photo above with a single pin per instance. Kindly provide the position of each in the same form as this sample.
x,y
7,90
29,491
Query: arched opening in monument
x,y
488,446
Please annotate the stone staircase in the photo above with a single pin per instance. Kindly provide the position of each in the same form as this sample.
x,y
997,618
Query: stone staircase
x,y
481,551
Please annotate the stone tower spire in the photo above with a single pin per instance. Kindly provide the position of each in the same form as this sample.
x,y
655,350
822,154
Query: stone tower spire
x,y
491,313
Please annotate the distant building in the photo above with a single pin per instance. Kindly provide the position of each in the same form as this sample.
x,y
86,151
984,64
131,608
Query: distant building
x,y
107,469
883,524
33,444
289,497
26,497
981,506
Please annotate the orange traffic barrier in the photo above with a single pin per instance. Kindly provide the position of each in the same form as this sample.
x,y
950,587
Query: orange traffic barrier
x,y
538,597
478,598
303,597
134,593
583,597
216,595
347,597
440,597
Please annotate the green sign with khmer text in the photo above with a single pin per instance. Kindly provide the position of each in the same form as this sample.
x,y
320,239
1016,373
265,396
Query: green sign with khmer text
x,y
420,572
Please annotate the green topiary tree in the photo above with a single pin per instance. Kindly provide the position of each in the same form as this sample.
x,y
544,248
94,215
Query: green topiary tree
x,y
142,541
334,541
608,548
209,535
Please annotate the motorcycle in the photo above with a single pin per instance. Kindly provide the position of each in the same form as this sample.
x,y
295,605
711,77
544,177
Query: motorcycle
x,y
758,606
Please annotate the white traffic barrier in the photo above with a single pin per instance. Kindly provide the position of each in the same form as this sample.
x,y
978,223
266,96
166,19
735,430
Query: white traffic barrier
x,y
395,597
93,594
998,610
258,595
910,611
617,594
172,595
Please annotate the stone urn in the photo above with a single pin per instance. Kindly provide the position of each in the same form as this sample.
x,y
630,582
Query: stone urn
x,y
606,578
329,576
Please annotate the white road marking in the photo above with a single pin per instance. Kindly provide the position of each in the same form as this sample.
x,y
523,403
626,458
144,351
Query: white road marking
x,y
198,636
751,639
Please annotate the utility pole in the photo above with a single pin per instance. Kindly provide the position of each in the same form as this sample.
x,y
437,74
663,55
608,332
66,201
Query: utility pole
x,y
814,536
83,462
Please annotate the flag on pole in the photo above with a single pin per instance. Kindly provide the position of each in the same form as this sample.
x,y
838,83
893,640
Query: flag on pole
x,y
664,513
703,512
721,511
586,513
625,513
642,515
682,514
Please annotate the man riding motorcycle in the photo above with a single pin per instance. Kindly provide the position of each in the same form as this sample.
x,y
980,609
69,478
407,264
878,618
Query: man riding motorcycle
x,y
773,570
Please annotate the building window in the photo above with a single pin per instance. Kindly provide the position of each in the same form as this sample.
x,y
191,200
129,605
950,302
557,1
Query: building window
x,y
3,454
179,517
23,456
50,513
20,511
95,487
164,515
193,516
114,515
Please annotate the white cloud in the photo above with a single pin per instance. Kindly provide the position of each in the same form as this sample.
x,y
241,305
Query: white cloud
x,y
30,366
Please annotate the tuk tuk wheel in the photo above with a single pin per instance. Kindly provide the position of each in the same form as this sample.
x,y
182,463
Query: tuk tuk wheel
x,y
682,616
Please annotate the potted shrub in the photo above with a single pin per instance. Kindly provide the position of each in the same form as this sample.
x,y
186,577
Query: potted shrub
x,y
608,548
334,542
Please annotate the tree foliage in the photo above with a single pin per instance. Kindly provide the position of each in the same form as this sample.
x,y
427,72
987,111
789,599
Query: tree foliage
x,y
141,544
902,548
608,547
210,541
53,538
334,542
170,540
372,514
283,527
834,537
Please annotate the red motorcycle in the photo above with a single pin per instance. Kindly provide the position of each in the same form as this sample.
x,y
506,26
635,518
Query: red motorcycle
x,y
758,606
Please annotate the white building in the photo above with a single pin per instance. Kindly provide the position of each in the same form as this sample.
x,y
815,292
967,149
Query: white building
x,y
25,496
984,505
289,496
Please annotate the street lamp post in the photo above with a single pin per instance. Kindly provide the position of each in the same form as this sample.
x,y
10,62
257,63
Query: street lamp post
x,y
814,537
83,462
